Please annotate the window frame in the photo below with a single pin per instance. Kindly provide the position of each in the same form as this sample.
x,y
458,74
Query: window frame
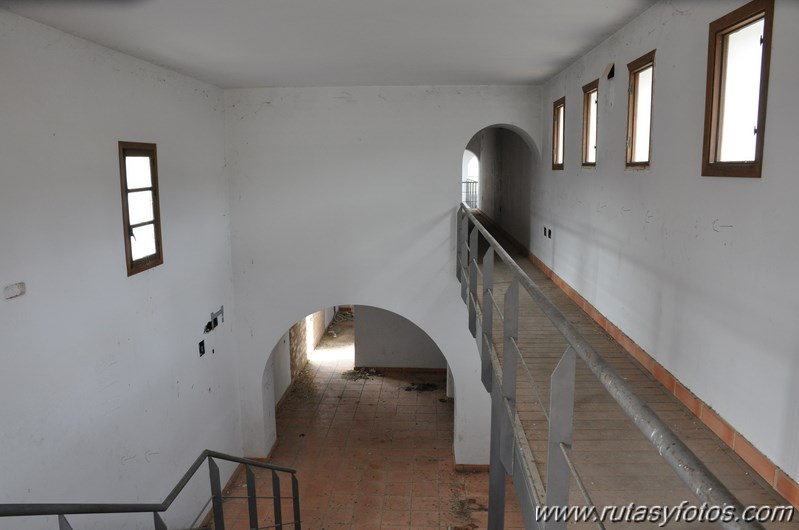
x,y
150,151
558,142
636,67
588,89
718,29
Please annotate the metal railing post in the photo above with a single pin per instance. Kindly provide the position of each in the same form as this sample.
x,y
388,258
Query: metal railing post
x,y
488,318
252,502
464,257
276,499
458,228
473,253
496,471
295,494
216,495
63,524
561,413
158,523
510,362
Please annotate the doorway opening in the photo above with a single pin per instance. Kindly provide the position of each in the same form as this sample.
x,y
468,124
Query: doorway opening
x,y
506,159
470,179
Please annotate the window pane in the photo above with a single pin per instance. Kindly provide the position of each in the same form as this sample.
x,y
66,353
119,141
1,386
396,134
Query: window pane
x,y
643,114
559,136
140,207
740,93
590,151
142,242
137,171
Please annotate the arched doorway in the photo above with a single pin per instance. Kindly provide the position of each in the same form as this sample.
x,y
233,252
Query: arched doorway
x,y
338,347
470,179
506,159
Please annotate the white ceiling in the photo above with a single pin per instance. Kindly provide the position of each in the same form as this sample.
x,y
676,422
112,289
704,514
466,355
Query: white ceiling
x,y
261,43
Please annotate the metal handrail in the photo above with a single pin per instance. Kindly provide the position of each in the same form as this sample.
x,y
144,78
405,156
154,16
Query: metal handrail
x,y
62,509
691,470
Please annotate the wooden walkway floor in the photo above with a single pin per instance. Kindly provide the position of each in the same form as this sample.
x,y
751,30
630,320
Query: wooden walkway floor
x,y
616,462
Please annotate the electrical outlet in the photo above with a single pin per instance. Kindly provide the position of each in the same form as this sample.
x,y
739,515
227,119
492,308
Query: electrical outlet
x,y
202,348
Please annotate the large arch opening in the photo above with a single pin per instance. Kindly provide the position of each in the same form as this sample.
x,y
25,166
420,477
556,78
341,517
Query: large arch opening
x,y
330,364
507,160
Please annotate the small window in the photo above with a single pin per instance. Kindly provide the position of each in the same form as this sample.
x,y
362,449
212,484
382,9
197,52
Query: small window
x,y
639,110
558,115
590,107
739,48
141,218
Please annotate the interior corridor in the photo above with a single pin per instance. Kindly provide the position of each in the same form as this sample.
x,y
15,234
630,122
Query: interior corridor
x,y
371,450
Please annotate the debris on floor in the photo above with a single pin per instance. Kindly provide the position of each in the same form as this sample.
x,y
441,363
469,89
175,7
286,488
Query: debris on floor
x,y
303,386
359,374
339,318
421,387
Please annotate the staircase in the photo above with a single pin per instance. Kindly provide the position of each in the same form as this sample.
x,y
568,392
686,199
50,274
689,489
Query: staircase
x,y
274,518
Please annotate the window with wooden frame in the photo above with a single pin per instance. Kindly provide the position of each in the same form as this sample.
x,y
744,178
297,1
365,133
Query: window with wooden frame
x,y
558,116
739,51
639,110
141,219
590,110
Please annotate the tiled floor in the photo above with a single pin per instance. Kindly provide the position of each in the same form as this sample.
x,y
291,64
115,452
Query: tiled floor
x,y
369,453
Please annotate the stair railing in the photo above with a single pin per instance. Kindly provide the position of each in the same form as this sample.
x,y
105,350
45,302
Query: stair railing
x,y
510,450
216,500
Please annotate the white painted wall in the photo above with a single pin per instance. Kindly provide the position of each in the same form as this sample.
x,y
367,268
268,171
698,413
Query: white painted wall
x,y
384,163
386,340
716,306
281,368
103,396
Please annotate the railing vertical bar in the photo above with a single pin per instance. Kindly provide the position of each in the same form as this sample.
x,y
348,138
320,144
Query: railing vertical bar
x,y
561,413
464,257
63,524
276,499
488,318
252,502
510,360
473,253
158,523
496,470
488,293
295,497
486,374
216,495
458,241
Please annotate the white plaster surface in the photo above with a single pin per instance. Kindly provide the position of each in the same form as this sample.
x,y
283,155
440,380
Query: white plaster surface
x,y
699,271
380,167
103,395
386,340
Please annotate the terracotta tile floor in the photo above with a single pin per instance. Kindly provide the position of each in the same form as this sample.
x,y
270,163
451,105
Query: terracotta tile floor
x,y
368,453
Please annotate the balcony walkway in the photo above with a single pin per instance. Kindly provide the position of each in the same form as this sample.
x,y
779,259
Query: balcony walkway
x,y
616,462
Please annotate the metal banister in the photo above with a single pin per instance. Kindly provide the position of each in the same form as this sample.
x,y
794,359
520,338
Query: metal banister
x,y
61,509
702,482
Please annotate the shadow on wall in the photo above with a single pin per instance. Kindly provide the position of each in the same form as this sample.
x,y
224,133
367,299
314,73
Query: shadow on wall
x,y
508,161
